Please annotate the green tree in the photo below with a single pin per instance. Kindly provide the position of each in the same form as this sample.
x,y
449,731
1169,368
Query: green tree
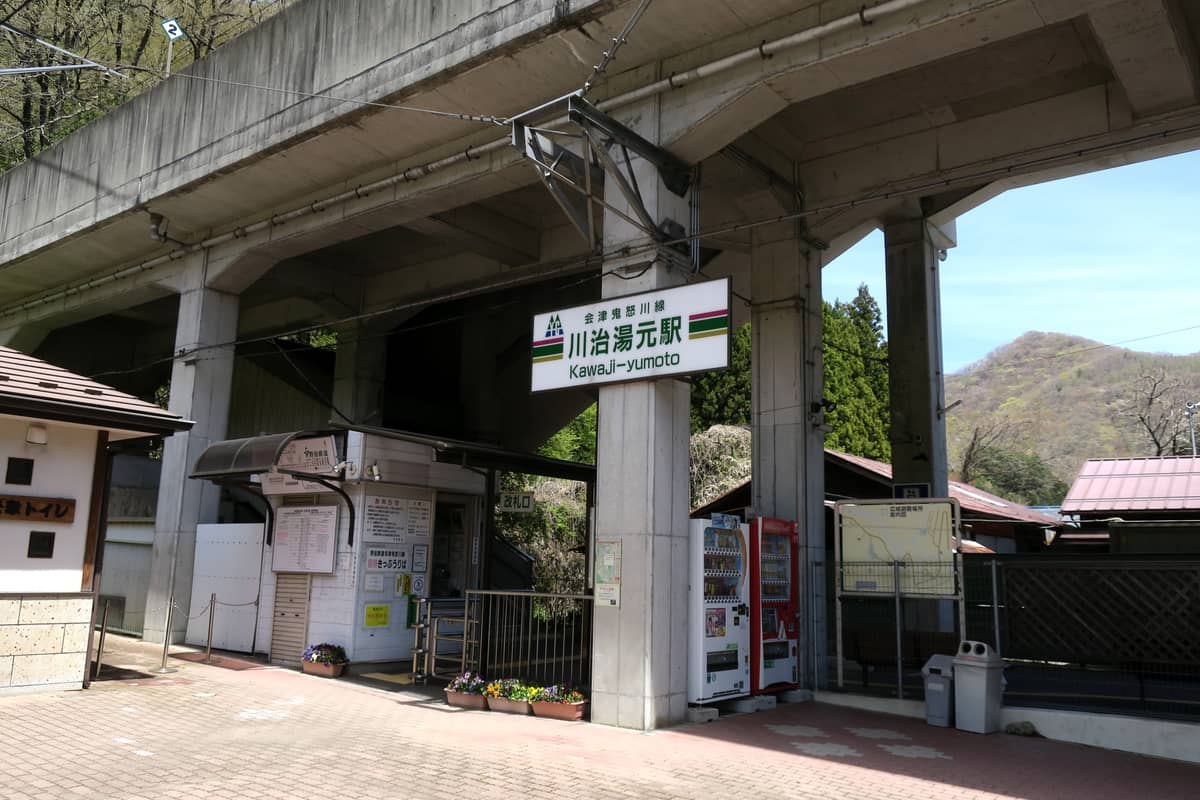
x,y
1021,477
856,380
576,441
723,398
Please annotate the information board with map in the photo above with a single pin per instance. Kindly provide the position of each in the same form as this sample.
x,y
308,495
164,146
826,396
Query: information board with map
x,y
920,535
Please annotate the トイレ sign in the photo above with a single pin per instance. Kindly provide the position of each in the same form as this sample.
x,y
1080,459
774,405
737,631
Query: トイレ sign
x,y
651,335
18,508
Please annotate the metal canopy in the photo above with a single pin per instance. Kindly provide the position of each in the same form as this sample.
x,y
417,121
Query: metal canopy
x,y
240,458
485,456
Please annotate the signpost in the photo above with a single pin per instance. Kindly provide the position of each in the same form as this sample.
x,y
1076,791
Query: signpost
x,y
516,502
173,30
676,331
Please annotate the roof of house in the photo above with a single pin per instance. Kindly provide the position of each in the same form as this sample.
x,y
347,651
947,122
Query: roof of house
x,y
1115,485
30,387
971,498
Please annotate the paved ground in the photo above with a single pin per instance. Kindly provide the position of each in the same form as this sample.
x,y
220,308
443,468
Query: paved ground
x,y
244,731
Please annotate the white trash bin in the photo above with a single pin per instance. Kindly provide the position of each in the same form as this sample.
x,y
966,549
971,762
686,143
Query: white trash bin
x,y
978,688
939,690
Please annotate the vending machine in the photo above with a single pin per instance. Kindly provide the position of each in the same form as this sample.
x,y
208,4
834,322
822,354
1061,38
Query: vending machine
x,y
774,605
719,639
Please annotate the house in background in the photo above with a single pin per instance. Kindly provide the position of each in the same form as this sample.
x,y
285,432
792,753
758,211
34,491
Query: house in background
x,y
1136,505
57,433
998,524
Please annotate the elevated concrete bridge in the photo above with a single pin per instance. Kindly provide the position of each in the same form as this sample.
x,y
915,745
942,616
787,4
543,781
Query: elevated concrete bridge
x,y
296,178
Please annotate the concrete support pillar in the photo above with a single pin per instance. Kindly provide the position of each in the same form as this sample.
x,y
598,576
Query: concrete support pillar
x,y
640,654
788,462
360,372
200,389
915,356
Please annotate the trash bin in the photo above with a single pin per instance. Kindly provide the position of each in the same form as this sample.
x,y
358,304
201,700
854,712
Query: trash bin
x,y
939,690
978,688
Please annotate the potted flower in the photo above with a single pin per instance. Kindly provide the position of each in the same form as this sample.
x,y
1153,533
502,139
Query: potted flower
x,y
558,702
466,691
326,660
509,696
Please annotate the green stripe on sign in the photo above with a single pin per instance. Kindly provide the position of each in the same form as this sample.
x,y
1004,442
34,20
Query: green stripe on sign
x,y
548,350
710,324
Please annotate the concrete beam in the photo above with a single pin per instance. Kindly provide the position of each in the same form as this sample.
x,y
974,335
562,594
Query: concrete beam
x,y
484,232
1151,52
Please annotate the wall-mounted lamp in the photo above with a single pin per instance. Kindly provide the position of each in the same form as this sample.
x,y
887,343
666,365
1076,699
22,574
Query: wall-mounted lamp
x,y
373,472
35,434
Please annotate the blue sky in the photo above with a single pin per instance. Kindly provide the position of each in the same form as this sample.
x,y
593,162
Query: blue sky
x,y
1111,256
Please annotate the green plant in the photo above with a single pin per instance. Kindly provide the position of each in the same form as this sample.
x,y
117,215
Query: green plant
x,y
508,689
556,694
326,653
468,683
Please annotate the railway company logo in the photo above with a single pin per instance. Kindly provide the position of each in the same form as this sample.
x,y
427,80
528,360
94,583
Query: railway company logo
x,y
550,346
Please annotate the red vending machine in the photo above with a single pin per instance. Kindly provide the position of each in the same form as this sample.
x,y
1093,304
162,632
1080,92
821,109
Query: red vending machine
x,y
774,605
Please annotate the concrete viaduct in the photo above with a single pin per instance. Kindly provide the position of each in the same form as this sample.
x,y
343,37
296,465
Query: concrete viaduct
x,y
287,182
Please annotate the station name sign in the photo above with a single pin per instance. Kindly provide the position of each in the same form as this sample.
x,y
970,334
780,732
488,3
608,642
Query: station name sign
x,y
676,331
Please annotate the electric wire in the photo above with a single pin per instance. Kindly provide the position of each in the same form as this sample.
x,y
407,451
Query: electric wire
x,y
610,55
493,120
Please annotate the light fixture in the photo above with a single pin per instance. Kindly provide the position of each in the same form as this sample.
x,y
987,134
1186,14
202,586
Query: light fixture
x,y
35,434
373,471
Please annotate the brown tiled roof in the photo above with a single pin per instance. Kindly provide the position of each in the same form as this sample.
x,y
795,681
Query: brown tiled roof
x,y
30,387
969,497
1113,485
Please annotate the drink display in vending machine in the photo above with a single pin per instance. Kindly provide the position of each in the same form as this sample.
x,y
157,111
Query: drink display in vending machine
x,y
774,605
719,639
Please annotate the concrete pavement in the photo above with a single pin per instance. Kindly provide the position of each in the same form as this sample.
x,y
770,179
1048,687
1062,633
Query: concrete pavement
x,y
242,730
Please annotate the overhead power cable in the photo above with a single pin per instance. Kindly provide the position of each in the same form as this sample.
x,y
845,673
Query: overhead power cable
x,y
322,96
87,63
610,54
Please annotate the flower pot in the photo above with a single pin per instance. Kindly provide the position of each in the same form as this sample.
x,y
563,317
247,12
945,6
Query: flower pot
x,y
464,700
506,706
566,711
324,670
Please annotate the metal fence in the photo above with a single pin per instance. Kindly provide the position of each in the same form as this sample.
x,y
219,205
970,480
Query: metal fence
x,y
1118,633
539,638
889,618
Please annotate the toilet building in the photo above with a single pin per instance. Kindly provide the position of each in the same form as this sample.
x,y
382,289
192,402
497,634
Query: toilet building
x,y
58,431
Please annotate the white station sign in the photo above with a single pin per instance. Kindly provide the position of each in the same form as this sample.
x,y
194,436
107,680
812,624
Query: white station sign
x,y
650,335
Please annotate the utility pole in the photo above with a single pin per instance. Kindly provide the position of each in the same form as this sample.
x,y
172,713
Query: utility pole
x,y
1191,415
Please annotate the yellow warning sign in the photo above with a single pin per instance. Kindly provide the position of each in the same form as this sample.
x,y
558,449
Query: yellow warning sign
x,y
376,616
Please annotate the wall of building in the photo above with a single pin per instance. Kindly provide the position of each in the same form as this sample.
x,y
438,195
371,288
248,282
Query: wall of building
x,y
61,468
127,556
261,402
43,641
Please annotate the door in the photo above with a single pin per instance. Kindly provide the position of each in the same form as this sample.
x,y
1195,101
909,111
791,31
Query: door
x,y
289,623
229,564
454,564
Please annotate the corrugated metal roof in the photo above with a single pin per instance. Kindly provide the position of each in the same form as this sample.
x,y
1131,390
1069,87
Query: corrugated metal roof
x,y
969,497
1114,485
35,388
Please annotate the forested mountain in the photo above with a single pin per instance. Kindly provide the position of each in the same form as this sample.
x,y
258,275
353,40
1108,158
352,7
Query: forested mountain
x,y
1066,399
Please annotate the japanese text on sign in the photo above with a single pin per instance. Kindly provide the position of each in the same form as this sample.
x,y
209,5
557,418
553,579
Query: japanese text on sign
x,y
516,502
380,560
37,509
396,519
667,332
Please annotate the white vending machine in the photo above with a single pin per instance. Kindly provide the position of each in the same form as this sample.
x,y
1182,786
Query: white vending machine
x,y
719,622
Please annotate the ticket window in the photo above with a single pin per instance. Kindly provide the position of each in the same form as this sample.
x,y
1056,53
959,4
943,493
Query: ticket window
x,y
453,566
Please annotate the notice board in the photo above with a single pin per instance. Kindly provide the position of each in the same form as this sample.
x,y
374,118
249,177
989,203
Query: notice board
x,y
305,539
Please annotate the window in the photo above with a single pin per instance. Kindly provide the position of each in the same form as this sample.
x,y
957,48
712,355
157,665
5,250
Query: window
x,y
19,472
41,544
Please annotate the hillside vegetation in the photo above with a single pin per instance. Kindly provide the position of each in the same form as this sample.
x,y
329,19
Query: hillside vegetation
x,y
1067,399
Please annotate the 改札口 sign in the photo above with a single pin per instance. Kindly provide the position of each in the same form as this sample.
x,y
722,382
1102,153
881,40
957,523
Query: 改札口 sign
x,y
651,335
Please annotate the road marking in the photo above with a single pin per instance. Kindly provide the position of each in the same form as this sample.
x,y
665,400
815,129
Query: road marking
x,y
799,730
826,749
914,751
877,733
142,753
268,714
123,740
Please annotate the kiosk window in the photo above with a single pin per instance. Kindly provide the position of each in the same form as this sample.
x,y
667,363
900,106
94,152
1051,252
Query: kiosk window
x,y
19,472
41,544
